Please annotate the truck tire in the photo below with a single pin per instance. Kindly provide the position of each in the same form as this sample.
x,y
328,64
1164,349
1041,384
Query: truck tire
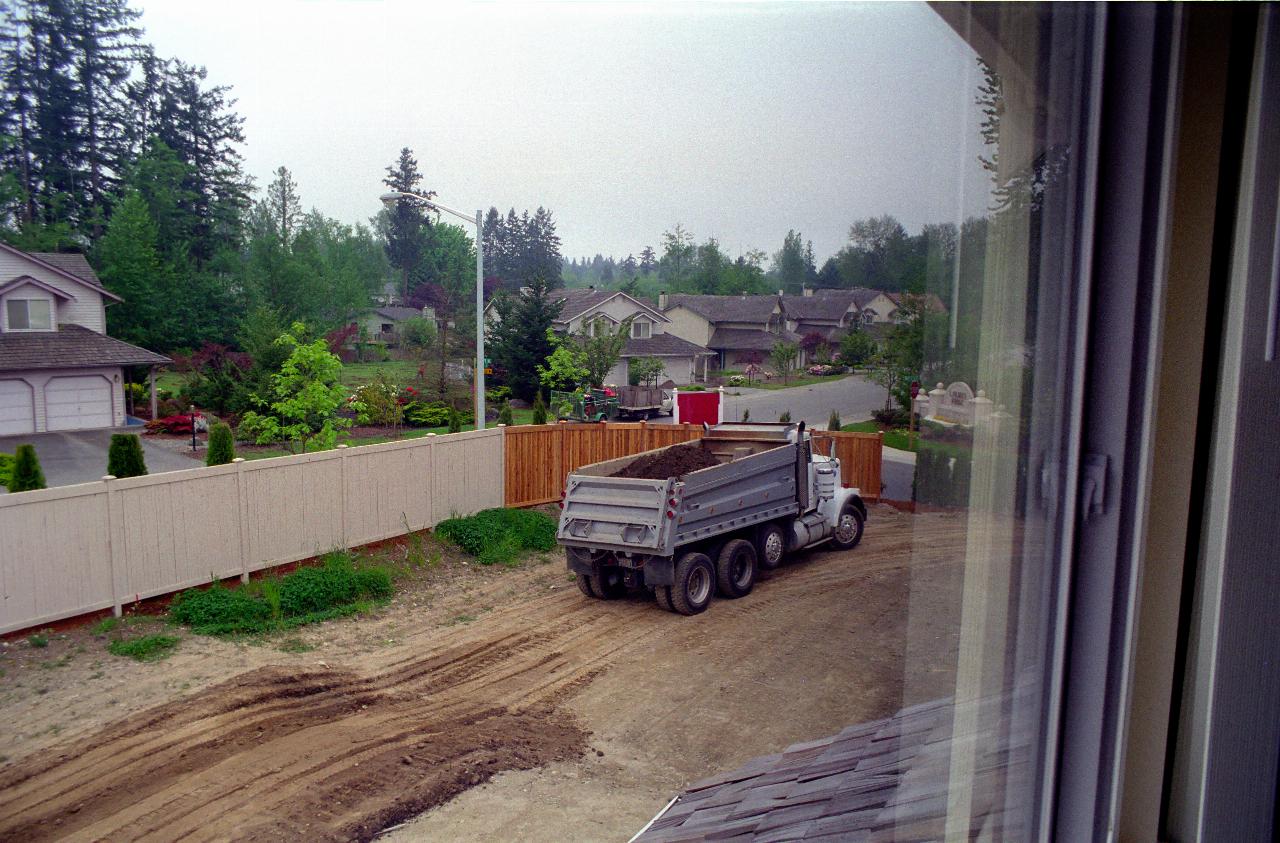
x,y
771,546
695,582
608,583
736,569
585,586
848,530
662,594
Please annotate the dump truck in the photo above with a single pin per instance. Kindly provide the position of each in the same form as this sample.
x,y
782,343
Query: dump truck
x,y
765,492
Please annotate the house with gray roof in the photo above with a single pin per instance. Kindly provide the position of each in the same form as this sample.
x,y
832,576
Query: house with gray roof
x,y
738,329
58,368
382,324
588,309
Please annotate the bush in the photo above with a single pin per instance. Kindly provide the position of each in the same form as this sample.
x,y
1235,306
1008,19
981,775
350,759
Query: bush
x,y
455,421
222,447
539,410
746,415
856,348
785,417
737,380
500,535
890,418
309,594
148,648
434,414
498,394
124,456
378,402
505,415
25,474
6,469
833,423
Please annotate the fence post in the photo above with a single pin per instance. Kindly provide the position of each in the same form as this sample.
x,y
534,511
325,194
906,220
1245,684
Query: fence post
x,y
342,479
114,538
242,522
502,465
435,473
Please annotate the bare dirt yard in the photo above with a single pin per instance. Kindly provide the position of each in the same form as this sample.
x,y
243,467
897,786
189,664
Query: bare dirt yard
x,y
482,703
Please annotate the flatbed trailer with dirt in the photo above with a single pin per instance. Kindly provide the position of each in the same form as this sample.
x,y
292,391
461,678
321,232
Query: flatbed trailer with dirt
x,y
692,519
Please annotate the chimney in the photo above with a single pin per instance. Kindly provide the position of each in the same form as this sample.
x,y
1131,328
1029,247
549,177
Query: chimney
x,y
662,300
808,292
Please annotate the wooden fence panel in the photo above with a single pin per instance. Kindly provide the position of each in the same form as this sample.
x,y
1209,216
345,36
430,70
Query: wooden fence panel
x,y
860,455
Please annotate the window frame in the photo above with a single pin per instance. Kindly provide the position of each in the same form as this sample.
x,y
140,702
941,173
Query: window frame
x,y
8,314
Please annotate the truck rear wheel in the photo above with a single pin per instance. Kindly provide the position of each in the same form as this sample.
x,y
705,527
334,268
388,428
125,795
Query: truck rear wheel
x,y
662,594
771,545
608,583
584,585
736,569
695,581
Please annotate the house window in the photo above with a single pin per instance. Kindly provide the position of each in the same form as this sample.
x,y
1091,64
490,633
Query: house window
x,y
30,315
386,327
640,330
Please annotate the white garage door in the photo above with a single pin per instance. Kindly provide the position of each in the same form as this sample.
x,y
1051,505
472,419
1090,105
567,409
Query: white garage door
x,y
75,403
17,409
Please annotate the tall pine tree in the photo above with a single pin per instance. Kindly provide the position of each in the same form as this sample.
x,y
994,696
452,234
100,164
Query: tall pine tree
x,y
407,219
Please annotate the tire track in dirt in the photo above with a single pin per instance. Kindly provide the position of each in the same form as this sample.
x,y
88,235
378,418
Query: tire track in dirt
x,y
340,754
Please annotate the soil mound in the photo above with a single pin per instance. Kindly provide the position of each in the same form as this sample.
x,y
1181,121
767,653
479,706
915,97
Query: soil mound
x,y
673,462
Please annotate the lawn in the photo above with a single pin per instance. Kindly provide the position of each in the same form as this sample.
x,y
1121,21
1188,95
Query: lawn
x,y
797,380
897,438
397,371
518,416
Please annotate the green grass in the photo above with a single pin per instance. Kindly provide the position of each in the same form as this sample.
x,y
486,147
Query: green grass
x,y
38,640
500,536
335,588
793,381
399,372
519,417
148,648
897,438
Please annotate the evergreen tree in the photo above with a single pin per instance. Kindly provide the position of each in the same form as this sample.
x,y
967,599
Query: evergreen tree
x,y
124,456
222,448
455,421
505,416
407,219
648,260
25,474
517,340
284,207
539,409
129,267
833,423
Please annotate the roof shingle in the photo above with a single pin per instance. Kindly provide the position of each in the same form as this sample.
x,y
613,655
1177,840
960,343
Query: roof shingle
x,y
70,347
727,308
663,345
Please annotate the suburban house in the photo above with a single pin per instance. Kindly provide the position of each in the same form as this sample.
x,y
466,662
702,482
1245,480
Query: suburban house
x,y
829,312
589,309
738,329
58,368
382,324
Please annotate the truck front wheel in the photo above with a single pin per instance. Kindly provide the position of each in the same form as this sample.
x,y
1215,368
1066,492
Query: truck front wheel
x,y
848,530
771,544
695,581
736,569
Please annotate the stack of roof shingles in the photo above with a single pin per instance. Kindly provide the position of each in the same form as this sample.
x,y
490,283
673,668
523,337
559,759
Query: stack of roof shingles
x,y
886,780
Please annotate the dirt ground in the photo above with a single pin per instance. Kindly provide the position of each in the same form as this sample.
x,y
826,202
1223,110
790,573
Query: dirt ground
x,y
482,704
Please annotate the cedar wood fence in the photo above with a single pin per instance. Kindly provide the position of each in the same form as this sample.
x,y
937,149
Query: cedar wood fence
x,y
77,549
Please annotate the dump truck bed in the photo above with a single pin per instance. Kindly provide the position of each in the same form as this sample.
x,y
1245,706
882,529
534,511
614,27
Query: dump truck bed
x,y
753,482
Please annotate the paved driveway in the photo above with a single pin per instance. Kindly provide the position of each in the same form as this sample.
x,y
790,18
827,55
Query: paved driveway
x,y
80,456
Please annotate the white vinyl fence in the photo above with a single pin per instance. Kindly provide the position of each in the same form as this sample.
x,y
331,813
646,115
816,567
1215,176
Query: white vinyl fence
x,y
78,549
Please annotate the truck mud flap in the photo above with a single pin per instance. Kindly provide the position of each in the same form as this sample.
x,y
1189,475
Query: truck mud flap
x,y
579,565
659,571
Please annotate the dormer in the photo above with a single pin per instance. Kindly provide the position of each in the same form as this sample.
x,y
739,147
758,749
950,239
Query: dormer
x,y
29,305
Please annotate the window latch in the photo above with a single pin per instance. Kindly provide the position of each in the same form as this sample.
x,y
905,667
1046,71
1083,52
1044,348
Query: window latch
x,y
1093,489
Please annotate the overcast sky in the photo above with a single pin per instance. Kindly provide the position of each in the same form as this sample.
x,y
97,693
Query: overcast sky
x,y
739,121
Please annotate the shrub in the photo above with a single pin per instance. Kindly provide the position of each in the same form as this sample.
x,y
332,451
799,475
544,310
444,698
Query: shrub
x,y
539,410
890,418
737,380
833,423
785,417
434,414
497,394
309,594
25,474
178,423
746,415
500,535
124,456
455,421
219,610
505,415
6,469
378,402
148,648
222,448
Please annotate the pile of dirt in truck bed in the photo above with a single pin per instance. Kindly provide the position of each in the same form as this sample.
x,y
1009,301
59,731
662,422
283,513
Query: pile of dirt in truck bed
x,y
673,462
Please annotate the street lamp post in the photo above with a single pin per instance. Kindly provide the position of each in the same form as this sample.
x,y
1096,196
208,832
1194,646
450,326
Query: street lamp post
x,y
389,200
